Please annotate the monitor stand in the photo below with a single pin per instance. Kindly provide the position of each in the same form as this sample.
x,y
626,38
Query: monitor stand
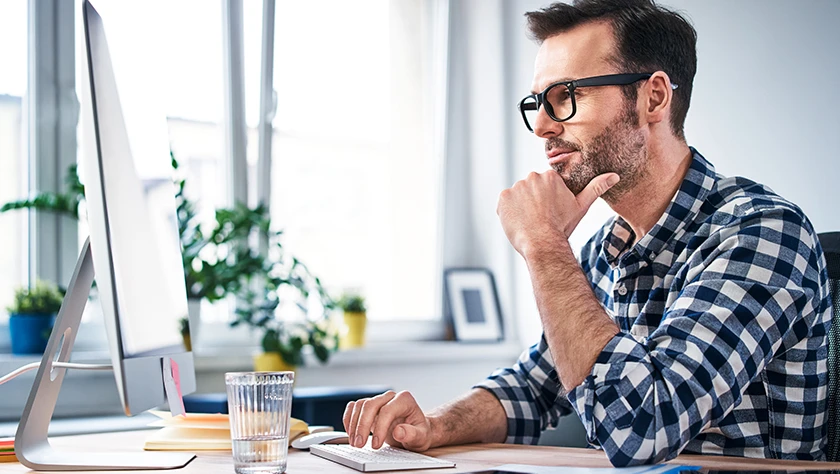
x,y
32,447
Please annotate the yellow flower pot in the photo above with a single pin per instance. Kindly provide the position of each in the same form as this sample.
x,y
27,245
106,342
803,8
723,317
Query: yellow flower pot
x,y
355,336
271,362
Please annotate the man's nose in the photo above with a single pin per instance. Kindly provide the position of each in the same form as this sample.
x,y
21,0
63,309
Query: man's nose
x,y
545,126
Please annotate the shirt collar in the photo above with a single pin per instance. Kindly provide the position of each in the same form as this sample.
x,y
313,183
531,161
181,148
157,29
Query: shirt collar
x,y
696,186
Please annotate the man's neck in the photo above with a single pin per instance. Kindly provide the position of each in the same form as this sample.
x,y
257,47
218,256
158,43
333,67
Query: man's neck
x,y
643,205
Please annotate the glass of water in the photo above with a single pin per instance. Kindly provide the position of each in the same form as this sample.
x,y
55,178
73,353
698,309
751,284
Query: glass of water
x,y
260,404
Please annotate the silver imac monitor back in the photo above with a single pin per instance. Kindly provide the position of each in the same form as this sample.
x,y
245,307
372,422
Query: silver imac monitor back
x,y
133,236
134,254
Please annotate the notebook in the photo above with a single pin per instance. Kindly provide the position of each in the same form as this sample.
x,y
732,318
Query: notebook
x,y
200,432
7,450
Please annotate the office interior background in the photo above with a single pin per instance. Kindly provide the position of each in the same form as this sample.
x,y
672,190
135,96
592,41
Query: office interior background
x,y
395,130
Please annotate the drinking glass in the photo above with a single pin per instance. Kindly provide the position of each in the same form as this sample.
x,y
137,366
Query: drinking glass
x,y
260,404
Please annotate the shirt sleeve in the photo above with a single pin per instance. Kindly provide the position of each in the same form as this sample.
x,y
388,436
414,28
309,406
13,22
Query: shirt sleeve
x,y
530,394
750,292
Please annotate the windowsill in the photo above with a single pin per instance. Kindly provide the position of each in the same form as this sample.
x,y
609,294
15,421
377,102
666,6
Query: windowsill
x,y
394,338
375,354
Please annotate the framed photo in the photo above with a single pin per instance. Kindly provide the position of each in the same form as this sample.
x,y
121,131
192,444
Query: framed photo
x,y
473,304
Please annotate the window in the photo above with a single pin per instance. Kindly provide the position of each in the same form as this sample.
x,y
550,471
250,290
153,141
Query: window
x,y
355,177
14,248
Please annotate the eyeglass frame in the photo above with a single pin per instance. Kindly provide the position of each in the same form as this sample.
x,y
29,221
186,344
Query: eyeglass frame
x,y
623,79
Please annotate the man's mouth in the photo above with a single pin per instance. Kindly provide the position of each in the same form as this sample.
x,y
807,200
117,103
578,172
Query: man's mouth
x,y
557,156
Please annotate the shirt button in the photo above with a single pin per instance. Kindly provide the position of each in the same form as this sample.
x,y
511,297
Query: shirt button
x,y
622,290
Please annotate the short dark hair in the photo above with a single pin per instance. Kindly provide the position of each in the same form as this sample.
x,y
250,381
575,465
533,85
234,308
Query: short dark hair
x,y
648,37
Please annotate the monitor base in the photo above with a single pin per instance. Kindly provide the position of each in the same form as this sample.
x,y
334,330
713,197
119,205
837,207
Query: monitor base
x,y
32,446
46,458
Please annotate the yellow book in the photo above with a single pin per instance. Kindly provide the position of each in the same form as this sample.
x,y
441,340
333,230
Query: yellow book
x,y
176,438
201,432
7,450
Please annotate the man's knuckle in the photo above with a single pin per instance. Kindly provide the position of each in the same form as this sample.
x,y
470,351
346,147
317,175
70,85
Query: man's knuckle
x,y
388,394
405,395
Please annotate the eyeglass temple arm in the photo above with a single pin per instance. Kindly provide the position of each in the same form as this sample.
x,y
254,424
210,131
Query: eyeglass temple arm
x,y
528,105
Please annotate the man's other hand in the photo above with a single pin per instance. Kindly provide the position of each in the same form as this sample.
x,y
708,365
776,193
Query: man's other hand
x,y
540,209
391,417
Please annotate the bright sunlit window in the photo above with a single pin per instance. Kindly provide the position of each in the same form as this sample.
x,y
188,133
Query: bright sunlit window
x,y
14,249
355,180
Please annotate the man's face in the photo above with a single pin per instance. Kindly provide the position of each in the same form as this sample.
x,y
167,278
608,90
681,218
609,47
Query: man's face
x,y
604,135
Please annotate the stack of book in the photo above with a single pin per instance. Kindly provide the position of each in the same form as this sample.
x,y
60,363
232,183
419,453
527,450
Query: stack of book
x,y
7,450
200,432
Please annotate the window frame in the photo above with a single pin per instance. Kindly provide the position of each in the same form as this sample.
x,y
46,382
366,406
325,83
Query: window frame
x,y
53,112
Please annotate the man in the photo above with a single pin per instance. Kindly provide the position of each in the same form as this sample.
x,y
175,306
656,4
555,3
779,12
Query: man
x,y
695,320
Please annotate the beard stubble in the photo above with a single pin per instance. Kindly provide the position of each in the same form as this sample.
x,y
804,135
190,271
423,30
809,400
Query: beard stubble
x,y
619,148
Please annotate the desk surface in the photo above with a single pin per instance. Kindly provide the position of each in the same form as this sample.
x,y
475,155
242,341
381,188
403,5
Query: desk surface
x,y
467,458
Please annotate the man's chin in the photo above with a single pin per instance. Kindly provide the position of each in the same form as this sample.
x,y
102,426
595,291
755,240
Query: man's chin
x,y
574,186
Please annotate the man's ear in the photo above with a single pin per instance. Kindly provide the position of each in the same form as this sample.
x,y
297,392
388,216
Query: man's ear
x,y
657,95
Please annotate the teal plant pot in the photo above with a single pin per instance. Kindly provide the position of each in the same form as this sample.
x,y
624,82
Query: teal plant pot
x,y
30,333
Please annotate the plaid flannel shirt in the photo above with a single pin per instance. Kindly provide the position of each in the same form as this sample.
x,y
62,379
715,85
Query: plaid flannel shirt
x,y
723,309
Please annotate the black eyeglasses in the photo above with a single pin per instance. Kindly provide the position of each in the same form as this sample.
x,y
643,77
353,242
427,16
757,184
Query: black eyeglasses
x,y
558,99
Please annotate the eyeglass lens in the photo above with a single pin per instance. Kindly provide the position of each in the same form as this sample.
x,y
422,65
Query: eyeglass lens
x,y
559,102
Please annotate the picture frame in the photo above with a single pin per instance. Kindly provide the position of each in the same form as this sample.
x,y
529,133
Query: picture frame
x,y
472,304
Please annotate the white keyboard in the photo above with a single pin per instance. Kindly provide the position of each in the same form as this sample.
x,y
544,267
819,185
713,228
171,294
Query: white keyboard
x,y
383,459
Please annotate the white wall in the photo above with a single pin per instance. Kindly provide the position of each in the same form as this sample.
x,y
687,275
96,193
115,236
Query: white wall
x,y
764,106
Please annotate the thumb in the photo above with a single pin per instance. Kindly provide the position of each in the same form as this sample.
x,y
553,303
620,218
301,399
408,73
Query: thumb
x,y
409,436
598,186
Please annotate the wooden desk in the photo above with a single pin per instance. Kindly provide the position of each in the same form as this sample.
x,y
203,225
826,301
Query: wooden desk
x,y
467,458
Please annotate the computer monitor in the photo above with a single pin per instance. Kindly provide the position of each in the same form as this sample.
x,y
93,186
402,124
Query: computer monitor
x,y
133,234
134,252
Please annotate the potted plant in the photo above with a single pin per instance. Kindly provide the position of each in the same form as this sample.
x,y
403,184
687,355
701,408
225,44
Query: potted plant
x,y
204,280
218,261
355,319
284,339
32,315
281,298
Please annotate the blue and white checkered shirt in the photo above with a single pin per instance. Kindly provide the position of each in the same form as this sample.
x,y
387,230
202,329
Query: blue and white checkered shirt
x,y
723,309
